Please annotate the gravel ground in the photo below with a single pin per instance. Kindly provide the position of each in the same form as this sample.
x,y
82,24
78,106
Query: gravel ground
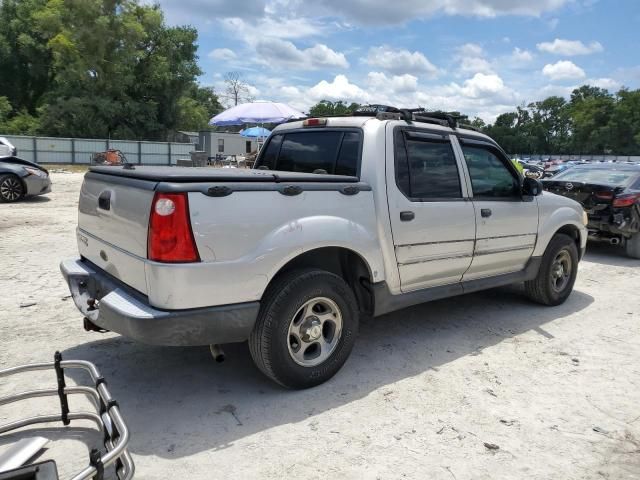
x,y
484,386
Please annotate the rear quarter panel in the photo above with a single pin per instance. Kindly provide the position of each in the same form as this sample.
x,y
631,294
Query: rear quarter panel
x,y
244,239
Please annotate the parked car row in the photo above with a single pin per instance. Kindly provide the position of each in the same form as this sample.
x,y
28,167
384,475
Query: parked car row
x,y
548,168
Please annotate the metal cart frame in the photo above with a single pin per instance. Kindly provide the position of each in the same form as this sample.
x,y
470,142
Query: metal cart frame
x,y
107,417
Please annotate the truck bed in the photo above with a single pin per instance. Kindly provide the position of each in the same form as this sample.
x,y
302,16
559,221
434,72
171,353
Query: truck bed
x,y
245,223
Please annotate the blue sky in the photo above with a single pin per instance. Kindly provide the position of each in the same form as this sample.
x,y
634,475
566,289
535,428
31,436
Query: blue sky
x,y
481,57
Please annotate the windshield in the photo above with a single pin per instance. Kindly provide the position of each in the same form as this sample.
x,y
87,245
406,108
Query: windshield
x,y
598,175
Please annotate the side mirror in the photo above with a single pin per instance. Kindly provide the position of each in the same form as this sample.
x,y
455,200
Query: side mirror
x,y
531,187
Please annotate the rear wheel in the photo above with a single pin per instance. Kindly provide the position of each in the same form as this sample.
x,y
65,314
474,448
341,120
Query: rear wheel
x,y
306,328
557,274
632,246
11,188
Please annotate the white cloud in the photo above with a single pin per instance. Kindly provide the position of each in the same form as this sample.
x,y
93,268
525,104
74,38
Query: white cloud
x,y
383,12
608,83
406,83
569,47
470,50
481,85
470,58
554,91
339,89
521,56
285,28
322,56
275,52
474,65
482,94
563,70
400,61
199,12
224,54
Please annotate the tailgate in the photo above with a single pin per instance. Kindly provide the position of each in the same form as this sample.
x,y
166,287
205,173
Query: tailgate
x,y
113,218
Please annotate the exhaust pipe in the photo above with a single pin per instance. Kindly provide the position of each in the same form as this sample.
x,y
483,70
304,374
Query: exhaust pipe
x,y
217,353
614,241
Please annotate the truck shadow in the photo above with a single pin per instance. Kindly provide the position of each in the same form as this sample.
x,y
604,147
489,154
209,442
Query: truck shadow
x,y
178,401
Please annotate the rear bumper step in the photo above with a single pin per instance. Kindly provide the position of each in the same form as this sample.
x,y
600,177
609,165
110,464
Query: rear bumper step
x,y
111,305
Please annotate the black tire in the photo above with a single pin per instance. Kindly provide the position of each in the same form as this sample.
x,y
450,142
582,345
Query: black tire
x,y
11,188
548,288
632,246
269,343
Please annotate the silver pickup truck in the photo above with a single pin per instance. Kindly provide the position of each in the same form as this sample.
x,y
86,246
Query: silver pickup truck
x,y
342,217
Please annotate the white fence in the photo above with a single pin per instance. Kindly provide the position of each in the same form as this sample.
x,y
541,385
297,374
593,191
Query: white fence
x,y
80,150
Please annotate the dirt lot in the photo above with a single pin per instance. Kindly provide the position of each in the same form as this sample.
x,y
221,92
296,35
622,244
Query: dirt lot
x,y
426,389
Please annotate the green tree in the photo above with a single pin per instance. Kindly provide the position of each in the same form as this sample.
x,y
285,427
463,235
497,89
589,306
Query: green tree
x,y
326,108
99,68
624,124
25,58
5,109
591,109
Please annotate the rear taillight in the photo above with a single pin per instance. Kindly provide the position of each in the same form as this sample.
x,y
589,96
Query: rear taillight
x,y
626,200
170,237
604,195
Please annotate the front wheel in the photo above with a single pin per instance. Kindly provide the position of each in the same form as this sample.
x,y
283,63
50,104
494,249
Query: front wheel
x,y
11,188
557,274
306,328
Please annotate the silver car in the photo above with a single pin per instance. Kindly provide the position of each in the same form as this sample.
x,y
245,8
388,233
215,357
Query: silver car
x,y
20,178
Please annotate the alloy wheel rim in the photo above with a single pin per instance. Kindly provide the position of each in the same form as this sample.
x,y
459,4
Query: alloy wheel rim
x,y
561,271
11,189
314,331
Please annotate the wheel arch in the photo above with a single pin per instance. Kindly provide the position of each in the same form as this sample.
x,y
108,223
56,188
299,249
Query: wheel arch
x,y
348,264
554,219
571,231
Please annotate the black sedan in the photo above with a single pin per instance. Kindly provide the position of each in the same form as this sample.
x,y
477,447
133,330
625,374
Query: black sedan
x,y
610,194
20,178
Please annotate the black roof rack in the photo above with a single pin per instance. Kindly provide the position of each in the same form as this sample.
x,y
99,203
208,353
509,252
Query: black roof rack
x,y
386,112
409,115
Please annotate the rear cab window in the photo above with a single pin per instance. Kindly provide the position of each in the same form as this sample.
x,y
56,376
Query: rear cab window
x,y
335,151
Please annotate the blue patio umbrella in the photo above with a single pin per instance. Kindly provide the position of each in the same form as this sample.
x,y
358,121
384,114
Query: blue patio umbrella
x,y
255,132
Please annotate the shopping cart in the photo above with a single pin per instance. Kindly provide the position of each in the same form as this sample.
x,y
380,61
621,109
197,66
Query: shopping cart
x,y
107,418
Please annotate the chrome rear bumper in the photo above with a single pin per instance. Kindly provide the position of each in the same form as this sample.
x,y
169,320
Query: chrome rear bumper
x,y
112,305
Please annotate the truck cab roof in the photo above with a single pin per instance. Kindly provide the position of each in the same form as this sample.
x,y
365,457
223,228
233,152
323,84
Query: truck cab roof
x,y
361,121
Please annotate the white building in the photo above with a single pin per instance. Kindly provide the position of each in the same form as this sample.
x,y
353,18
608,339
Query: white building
x,y
225,144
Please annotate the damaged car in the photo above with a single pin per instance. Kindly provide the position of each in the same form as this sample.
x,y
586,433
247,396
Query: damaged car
x,y
21,178
610,195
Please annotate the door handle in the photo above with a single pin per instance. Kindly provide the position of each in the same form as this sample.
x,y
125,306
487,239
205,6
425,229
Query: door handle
x,y
407,216
485,212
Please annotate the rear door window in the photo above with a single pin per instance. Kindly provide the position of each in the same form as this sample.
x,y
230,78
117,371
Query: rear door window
x,y
426,168
333,151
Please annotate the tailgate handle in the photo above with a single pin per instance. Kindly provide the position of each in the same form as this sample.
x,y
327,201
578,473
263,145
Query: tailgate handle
x,y
104,200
